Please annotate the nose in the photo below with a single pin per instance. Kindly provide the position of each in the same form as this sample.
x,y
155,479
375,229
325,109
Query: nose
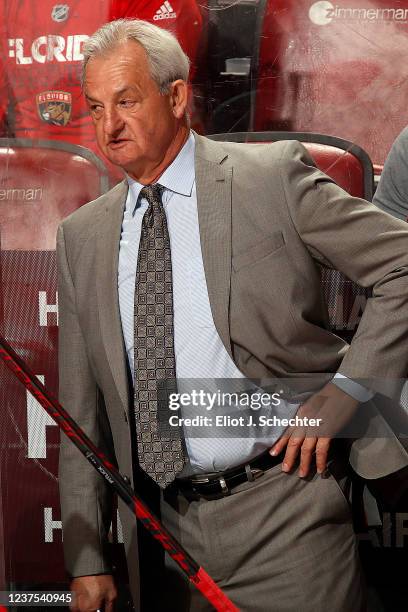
x,y
112,122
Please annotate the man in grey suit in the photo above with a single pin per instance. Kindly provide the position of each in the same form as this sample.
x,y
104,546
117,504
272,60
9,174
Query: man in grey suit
x,y
204,263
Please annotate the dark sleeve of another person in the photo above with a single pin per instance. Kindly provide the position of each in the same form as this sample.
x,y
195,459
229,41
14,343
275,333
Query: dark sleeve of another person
x,y
392,191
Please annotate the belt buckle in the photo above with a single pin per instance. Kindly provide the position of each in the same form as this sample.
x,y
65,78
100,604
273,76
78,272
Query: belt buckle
x,y
224,490
200,479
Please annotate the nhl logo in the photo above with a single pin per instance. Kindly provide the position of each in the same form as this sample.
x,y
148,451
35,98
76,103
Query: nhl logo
x,y
60,12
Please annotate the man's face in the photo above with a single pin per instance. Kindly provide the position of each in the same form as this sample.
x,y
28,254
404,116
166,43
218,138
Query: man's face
x,y
135,124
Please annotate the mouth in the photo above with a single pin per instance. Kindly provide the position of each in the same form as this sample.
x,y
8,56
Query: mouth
x,y
117,143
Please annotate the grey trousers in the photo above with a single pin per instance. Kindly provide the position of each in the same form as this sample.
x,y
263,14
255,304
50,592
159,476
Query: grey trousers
x,y
279,544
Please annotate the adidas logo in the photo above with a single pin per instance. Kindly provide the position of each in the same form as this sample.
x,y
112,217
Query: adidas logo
x,y
165,12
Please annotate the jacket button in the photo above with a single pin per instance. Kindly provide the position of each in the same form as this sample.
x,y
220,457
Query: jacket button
x,y
126,479
126,416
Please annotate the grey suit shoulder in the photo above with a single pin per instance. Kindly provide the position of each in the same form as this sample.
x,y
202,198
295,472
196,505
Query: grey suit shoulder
x,y
281,151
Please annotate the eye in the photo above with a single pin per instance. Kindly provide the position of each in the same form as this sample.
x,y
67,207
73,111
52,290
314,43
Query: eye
x,y
127,103
96,109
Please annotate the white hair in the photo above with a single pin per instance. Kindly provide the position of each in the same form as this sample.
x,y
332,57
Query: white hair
x,y
167,60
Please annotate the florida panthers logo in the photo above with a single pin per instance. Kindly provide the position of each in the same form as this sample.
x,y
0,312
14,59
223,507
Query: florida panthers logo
x,y
54,107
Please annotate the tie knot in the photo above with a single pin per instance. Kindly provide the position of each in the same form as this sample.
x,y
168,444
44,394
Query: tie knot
x,y
152,193
155,212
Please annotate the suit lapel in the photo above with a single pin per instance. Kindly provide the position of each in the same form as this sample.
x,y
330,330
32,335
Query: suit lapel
x,y
214,184
108,239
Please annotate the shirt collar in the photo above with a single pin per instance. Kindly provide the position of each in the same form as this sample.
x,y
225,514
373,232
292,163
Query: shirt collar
x,y
178,177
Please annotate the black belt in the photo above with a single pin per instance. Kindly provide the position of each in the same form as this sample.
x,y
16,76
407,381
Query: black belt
x,y
215,485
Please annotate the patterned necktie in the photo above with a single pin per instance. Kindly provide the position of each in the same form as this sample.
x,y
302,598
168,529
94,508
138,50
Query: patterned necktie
x,y
159,446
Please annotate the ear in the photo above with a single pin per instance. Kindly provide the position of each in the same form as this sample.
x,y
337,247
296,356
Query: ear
x,y
178,98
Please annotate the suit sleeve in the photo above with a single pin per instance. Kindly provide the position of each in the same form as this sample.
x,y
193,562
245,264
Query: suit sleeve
x,y
86,502
371,248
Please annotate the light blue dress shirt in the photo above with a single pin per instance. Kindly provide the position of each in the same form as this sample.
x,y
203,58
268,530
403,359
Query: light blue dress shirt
x,y
199,351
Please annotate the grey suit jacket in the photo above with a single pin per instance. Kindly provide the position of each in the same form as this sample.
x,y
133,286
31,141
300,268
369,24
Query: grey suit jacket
x,y
268,218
